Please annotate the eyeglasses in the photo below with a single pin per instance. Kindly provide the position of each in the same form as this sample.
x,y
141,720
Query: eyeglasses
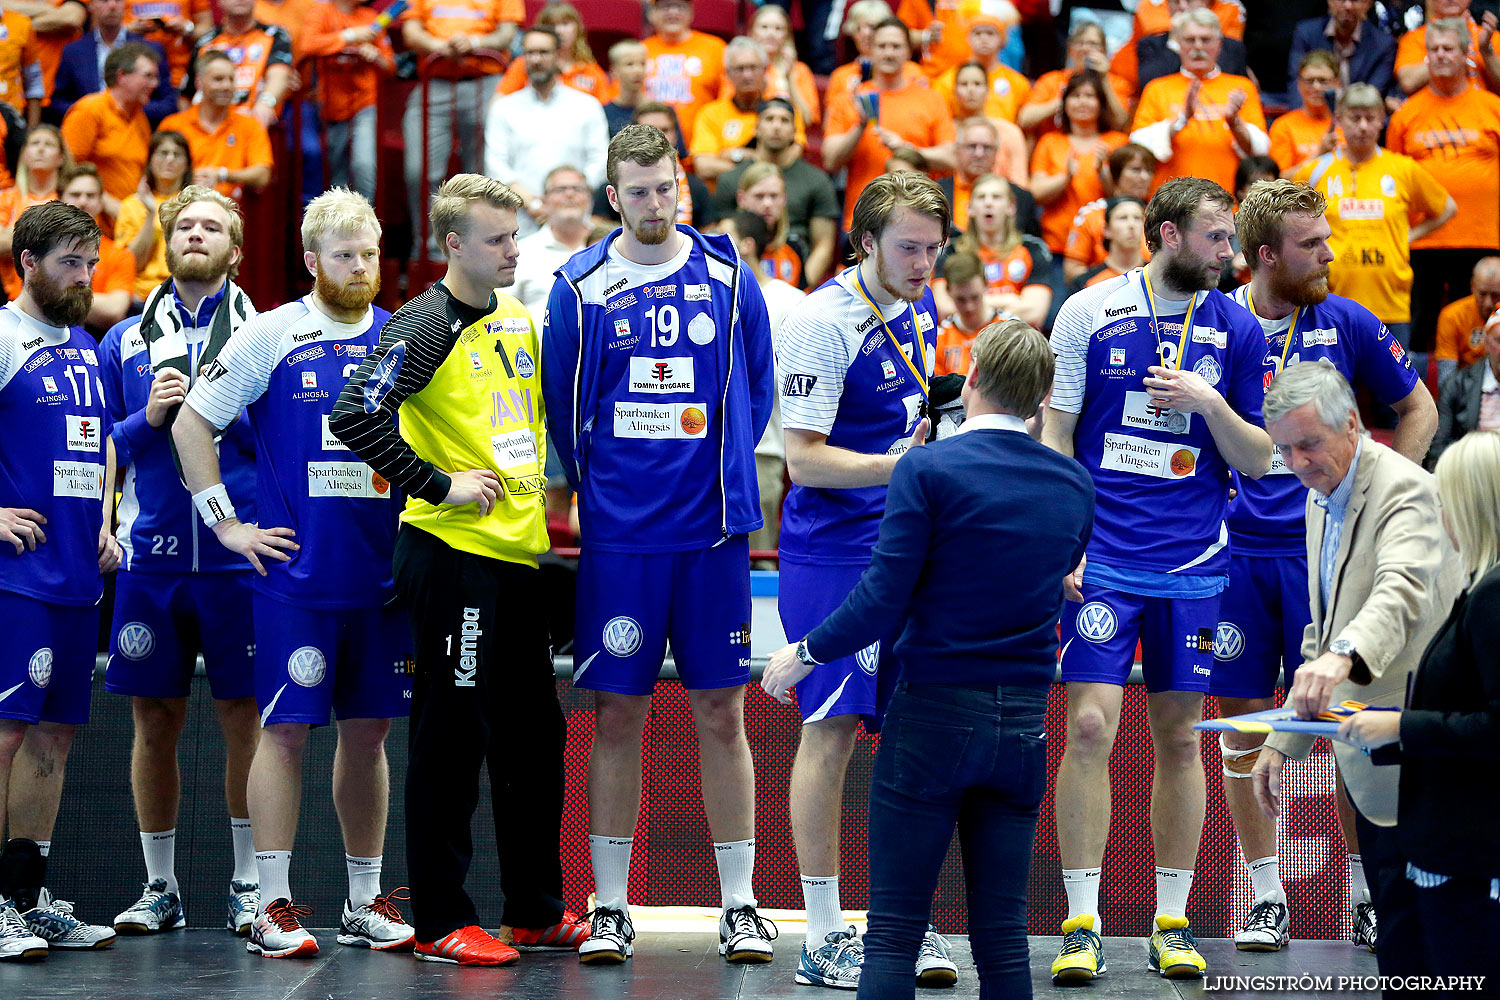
x,y
568,189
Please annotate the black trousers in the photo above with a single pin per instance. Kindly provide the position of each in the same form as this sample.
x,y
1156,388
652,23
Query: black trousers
x,y
483,692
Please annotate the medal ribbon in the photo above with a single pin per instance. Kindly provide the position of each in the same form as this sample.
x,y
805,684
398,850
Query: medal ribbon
x,y
917,373
1291,332
1187,322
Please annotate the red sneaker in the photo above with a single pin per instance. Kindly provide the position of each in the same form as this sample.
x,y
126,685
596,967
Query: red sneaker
x,y
467,946
565,935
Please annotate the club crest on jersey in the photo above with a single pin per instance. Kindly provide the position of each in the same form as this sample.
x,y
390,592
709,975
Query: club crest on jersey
x,y
1116,356
1096,622
309,380
622,635
49,384
525,367
307,666
1229,642
1208,369
136,641
888,368
476,361
39,667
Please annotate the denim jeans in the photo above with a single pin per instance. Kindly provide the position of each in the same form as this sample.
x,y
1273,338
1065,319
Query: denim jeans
x,y
954,755
351,151
455,113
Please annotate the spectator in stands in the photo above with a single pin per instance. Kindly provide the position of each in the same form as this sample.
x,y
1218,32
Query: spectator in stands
x,y
450,97
1365,51
726,126
114,276
1005,89
786,76
684,68
1307,132
1009,157
42,159
576,65
231,149
351,53
940,31
1470,399
544,125
888,113
1375,221
173,26
20,65
1066,167
262,56
627,73
1086,50
109,129
1159,55
290,15
963,273
1460,329
1124,242
1017,265
56,23
81,70
1151,30
565,199
1132,173
1201,121
694,206
860,23
1476,45
1451,127
762,192
169,169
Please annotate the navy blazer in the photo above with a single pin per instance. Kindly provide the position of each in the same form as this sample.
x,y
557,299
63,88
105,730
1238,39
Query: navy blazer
x,y
1373,60
78,76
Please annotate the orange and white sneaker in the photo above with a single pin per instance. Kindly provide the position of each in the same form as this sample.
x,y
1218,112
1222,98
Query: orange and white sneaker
x,y
565,935
277,932
470,945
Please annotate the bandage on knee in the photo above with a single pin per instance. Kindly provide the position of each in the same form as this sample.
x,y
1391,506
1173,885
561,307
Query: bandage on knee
x,y
1237,763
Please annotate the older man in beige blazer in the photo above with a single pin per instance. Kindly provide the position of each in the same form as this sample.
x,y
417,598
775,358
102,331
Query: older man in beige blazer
x,y
1381,578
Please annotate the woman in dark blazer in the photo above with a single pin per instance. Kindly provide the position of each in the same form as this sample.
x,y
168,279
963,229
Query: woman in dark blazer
x,y
1447,740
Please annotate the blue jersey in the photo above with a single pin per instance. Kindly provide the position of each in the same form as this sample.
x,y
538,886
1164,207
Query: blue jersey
x,y
658,383
287,367
52,456
158,528
841,375
1160,480
1268,517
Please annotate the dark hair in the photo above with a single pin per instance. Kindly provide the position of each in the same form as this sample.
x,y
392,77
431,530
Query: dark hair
x,y
749,226
123,60
1249,167
159,139
910,155
1178,201
543,29
1080,79
77,170
1127,154
640,144
777,102
208,57
894,22
43,228
1109,209
962,266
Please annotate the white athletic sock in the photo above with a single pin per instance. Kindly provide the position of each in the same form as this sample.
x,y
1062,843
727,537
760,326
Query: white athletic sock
x,y
364,880
1359,889
1172,888
1265,878
45,846
610,857
824,914
244,850
1082,887
736,861
161,856
274,872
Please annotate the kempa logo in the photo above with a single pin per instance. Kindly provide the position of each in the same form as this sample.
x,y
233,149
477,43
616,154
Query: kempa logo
x,y
28,345
301,338
1117,311
616,287
468,649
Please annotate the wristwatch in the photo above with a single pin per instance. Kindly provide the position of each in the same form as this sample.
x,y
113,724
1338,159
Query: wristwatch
x,y
1342,647
737,155
804,656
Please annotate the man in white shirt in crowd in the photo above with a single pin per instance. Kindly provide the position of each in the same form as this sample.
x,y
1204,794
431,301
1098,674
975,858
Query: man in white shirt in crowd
x,y
566,197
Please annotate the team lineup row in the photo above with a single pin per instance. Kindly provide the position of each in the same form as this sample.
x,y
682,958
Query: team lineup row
x,y
374,546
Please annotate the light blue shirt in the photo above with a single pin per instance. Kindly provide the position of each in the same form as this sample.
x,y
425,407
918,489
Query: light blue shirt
x,y
1335,504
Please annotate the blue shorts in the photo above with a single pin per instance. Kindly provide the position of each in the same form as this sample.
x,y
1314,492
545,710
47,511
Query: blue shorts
x,y
1176,636
630,606
807,595
164,620
46,659
1261,620
353,662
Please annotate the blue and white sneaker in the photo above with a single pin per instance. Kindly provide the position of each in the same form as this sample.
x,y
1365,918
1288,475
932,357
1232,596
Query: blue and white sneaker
x,y
157,910
935,965
244,900
836,964
17,943
52,920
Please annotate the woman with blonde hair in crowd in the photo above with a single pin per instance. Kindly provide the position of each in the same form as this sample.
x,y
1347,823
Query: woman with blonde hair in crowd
x,y
786,76
44,157
1017,266
762,191
169,169
576,65
1448,734
971,83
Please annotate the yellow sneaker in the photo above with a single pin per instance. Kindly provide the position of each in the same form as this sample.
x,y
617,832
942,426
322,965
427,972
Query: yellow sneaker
x,y
1173,951
1081,958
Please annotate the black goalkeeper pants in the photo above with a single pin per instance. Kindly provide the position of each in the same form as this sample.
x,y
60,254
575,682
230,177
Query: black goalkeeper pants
x,y
483,692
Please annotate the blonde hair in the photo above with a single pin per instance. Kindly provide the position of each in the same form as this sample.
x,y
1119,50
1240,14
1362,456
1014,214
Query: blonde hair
x,y
1010,233
450,205
23,172
337,212
1468,481
559,11
1013,366
753,175
1262,214
888,192
1361,95
173,207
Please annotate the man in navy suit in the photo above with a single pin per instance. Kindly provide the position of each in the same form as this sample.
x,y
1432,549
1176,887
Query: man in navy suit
x,y
1366,50
80,71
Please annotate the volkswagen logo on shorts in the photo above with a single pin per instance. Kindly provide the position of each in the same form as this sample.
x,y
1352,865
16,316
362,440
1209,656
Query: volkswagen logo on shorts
x,y
1229,641
622,635
136,641
1096,622
39,669
307,666
869,658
